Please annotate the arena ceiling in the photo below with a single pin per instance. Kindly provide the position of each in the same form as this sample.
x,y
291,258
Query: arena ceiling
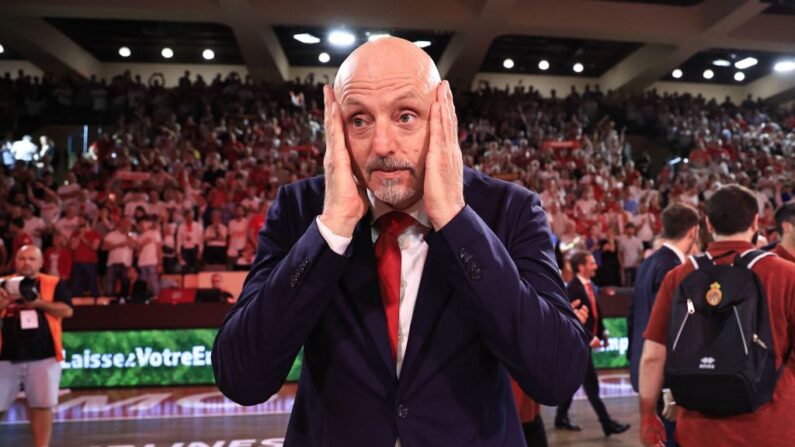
x,y
627,44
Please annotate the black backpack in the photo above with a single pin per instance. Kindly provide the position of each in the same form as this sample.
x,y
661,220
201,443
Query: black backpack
x,y
721,360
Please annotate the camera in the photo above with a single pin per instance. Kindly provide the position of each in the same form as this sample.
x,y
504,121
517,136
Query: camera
x,y
21,287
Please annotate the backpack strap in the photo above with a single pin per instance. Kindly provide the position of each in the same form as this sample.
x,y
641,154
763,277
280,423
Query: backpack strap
x,y
749,258
701,261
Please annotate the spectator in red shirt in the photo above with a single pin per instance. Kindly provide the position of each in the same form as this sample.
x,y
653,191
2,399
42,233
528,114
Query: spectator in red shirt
x,y
257,221
84,244
732,217
20,239
785,223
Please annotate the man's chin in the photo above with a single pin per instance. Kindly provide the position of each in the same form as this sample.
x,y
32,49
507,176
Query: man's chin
x,y
397,197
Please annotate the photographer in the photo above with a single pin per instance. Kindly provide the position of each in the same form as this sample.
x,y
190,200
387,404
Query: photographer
x,y
30,347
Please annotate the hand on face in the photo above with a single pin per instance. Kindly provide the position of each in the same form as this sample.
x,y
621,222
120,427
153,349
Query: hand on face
x,y
345,201
444,165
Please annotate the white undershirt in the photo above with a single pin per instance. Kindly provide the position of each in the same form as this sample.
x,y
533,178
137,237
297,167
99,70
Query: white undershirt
x,y
413,252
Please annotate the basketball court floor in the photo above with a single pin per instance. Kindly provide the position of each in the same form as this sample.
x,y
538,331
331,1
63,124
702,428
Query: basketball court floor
x,y
201,417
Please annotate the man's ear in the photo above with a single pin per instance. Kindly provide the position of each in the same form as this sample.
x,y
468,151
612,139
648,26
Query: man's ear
x,y
710,228
755,223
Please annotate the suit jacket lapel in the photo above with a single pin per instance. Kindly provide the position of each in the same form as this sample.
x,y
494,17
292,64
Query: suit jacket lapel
x,y
360,283
432,297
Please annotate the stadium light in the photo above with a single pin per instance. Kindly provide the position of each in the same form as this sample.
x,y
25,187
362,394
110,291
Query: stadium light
x,y
377,36
578,68
306,38
739,76
508,63
708,74
543,65
422,43
324,57
784,66
125,52
167,53
208,54
677,74
341,38
748,62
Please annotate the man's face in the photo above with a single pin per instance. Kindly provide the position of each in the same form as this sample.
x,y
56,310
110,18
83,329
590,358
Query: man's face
x,y
385,99
588,270
28,262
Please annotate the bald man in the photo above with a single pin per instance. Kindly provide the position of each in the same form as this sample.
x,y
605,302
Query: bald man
x,y
415,286
30,346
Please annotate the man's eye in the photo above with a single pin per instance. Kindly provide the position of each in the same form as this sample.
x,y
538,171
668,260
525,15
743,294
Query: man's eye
x,y
358,122
406,118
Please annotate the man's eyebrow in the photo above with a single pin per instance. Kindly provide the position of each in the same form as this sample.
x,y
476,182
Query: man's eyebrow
x,y
410,95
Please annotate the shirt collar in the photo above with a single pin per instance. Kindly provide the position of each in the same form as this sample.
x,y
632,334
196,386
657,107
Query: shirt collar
x,y
416,210
584,281
719,247
676,251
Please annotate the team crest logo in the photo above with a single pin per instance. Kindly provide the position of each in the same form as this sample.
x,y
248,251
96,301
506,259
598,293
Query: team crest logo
x,y
714,295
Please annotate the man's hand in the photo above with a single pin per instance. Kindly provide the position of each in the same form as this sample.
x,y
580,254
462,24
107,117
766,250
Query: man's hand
x,y
444,165
652,431
580,311
345,202
595,342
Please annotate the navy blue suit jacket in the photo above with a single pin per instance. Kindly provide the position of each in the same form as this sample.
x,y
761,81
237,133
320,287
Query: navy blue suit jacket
x,y
490,303
650,276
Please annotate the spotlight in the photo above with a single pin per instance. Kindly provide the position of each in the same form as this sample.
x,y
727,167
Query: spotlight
x,y
578,68
784,66
677,74
306,38
124,52
748,62
709,74
543,65
341,38
721,63
507,63
324,58
422,43
208,54
739,76
2,50
167,53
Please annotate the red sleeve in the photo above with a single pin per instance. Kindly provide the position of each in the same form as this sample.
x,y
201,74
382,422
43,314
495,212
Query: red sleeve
x,y
657,329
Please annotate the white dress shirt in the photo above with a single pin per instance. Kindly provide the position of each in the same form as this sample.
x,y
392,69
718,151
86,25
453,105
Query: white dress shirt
x,y
676,251
413,252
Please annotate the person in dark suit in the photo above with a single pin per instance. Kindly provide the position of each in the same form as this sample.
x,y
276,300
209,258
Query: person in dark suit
x,y
581,289
135,289
680,233
414,285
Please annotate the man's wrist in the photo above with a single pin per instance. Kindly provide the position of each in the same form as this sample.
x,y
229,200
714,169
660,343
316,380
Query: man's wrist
x,y
342,227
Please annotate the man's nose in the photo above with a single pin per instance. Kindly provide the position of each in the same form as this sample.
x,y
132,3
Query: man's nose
x,y
383,138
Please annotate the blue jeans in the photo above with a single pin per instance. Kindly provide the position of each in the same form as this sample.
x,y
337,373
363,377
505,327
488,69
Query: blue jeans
x,y
149,274
84,277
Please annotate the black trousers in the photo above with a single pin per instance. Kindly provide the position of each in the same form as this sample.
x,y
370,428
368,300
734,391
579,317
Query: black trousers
x,y
534,433
591,385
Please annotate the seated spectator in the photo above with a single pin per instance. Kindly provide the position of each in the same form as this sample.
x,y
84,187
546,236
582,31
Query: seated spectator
x,y
134,289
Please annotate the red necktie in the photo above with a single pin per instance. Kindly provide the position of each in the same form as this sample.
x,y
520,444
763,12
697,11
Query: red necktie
x,y
592,298
387,252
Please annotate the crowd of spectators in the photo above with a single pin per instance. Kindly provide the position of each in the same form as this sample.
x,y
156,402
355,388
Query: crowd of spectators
x,y
180,179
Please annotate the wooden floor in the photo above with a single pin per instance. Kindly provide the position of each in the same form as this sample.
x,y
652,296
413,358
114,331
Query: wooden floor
x,y
200,417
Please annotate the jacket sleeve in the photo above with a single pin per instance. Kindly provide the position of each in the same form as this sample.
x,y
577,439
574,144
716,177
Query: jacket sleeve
x,y
518,298
283,298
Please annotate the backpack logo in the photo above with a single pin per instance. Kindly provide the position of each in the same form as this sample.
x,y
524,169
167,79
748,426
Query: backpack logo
x,y
707,363
714,295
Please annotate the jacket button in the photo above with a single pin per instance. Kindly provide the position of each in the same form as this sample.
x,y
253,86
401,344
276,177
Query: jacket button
x,y
402,411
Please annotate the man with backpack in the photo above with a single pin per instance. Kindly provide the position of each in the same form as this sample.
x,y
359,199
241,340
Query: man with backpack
x,y
720,334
